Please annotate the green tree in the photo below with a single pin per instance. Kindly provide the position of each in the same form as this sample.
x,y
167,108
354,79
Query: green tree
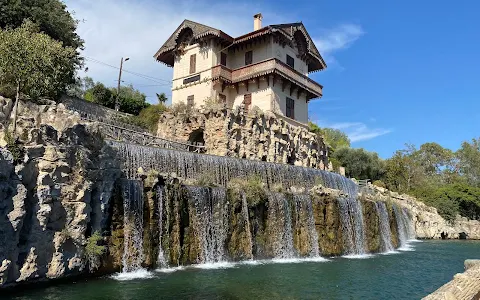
x,y
151,115
335,138
469,161
162,98
102,95
131,100
81,85
360,164
34,63
51,16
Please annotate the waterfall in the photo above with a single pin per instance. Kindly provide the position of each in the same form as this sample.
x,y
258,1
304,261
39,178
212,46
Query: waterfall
x,y
211,221
190,165
280,219
353,229
304,207
384,225
161,261
132,192
408,225
247,224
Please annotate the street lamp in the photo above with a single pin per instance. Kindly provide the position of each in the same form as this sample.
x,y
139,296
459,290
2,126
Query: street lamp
x,y
117,102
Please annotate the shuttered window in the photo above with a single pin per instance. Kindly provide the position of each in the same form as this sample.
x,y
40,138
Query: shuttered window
x,y
290,111
247,101
290,61
223,59
191,101
193,63
248,58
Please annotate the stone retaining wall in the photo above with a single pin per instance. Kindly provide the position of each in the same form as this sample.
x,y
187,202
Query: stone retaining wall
x,y
255,135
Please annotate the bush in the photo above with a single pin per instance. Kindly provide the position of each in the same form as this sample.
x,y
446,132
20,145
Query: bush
x,y
252,187
379,183
182,109
15,147
151,115
93,251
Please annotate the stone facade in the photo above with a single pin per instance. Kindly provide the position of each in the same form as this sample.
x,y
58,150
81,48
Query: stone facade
x,y
255,135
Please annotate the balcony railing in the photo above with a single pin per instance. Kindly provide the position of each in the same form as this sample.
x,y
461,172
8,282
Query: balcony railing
x,y
264,68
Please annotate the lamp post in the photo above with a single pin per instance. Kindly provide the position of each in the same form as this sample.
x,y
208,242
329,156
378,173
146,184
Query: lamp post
x,y
117,102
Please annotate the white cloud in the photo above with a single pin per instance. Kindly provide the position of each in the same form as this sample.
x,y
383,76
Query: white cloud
x,y
137,29
337,38
357,131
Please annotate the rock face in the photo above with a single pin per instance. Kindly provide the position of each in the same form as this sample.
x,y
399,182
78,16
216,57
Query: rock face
x,y
256,136
54,198
428,223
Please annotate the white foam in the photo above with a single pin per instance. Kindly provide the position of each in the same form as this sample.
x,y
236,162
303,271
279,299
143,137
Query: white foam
x,y
406,247
358,256
216,265
138,274
170,270
390,252
296,260
414,241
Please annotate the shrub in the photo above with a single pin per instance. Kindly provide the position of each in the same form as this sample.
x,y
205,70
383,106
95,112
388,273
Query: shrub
x,y
252,187
150,116
207,180
182,109
93,251
379,183
15,147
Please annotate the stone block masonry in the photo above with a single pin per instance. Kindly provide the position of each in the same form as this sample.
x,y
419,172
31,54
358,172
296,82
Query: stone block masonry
x,y
255,135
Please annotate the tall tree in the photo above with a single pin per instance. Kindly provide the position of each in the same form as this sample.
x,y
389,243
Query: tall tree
x,y
469,161
33,62
359,163
335,138
162,98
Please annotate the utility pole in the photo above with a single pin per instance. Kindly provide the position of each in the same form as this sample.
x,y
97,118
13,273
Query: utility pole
x,y
117,101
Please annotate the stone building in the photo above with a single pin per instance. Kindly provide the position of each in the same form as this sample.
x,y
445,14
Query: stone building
x,y
267,67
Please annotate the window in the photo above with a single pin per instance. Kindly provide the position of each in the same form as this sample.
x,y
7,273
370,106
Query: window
x,y
290,111
190,101
248,58
193,62
247,101
290,61
223,59
222,99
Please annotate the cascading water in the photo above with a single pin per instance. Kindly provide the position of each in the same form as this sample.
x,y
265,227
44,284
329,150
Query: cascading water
x,y
404,226
304,207
161,261
190,165
132,192
211,222
351,217
280,219
246,219
385,233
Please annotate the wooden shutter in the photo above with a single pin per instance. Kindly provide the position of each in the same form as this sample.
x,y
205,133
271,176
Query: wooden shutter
x,y
290,61
248,58
191,101
193,63
247,101
223,59
290,108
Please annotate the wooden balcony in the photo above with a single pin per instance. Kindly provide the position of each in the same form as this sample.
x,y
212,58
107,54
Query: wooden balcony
x,y
266,68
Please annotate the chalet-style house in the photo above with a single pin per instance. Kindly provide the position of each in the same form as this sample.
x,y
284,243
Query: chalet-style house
x,y
267,67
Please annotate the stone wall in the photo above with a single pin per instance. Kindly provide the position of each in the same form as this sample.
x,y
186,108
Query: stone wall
x,y
255,135
53,196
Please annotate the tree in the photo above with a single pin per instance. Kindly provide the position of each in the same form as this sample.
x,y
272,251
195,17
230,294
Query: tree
x,y
335,138
469,161
162,98
34,63
132,101
359,163
102,95
150,116
51,16
81,85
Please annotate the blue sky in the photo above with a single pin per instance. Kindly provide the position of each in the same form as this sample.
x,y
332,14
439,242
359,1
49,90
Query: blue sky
x,y
398,71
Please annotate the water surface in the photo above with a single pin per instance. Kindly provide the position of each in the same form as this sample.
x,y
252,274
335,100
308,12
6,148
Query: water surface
x,y
405,275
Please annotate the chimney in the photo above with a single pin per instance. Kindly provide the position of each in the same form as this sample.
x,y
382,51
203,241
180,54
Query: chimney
x,y
257,22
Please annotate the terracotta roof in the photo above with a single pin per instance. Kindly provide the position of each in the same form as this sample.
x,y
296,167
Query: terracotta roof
x,y
316,62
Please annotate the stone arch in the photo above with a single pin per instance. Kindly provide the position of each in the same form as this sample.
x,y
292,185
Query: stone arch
x,y
196,137
301,42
